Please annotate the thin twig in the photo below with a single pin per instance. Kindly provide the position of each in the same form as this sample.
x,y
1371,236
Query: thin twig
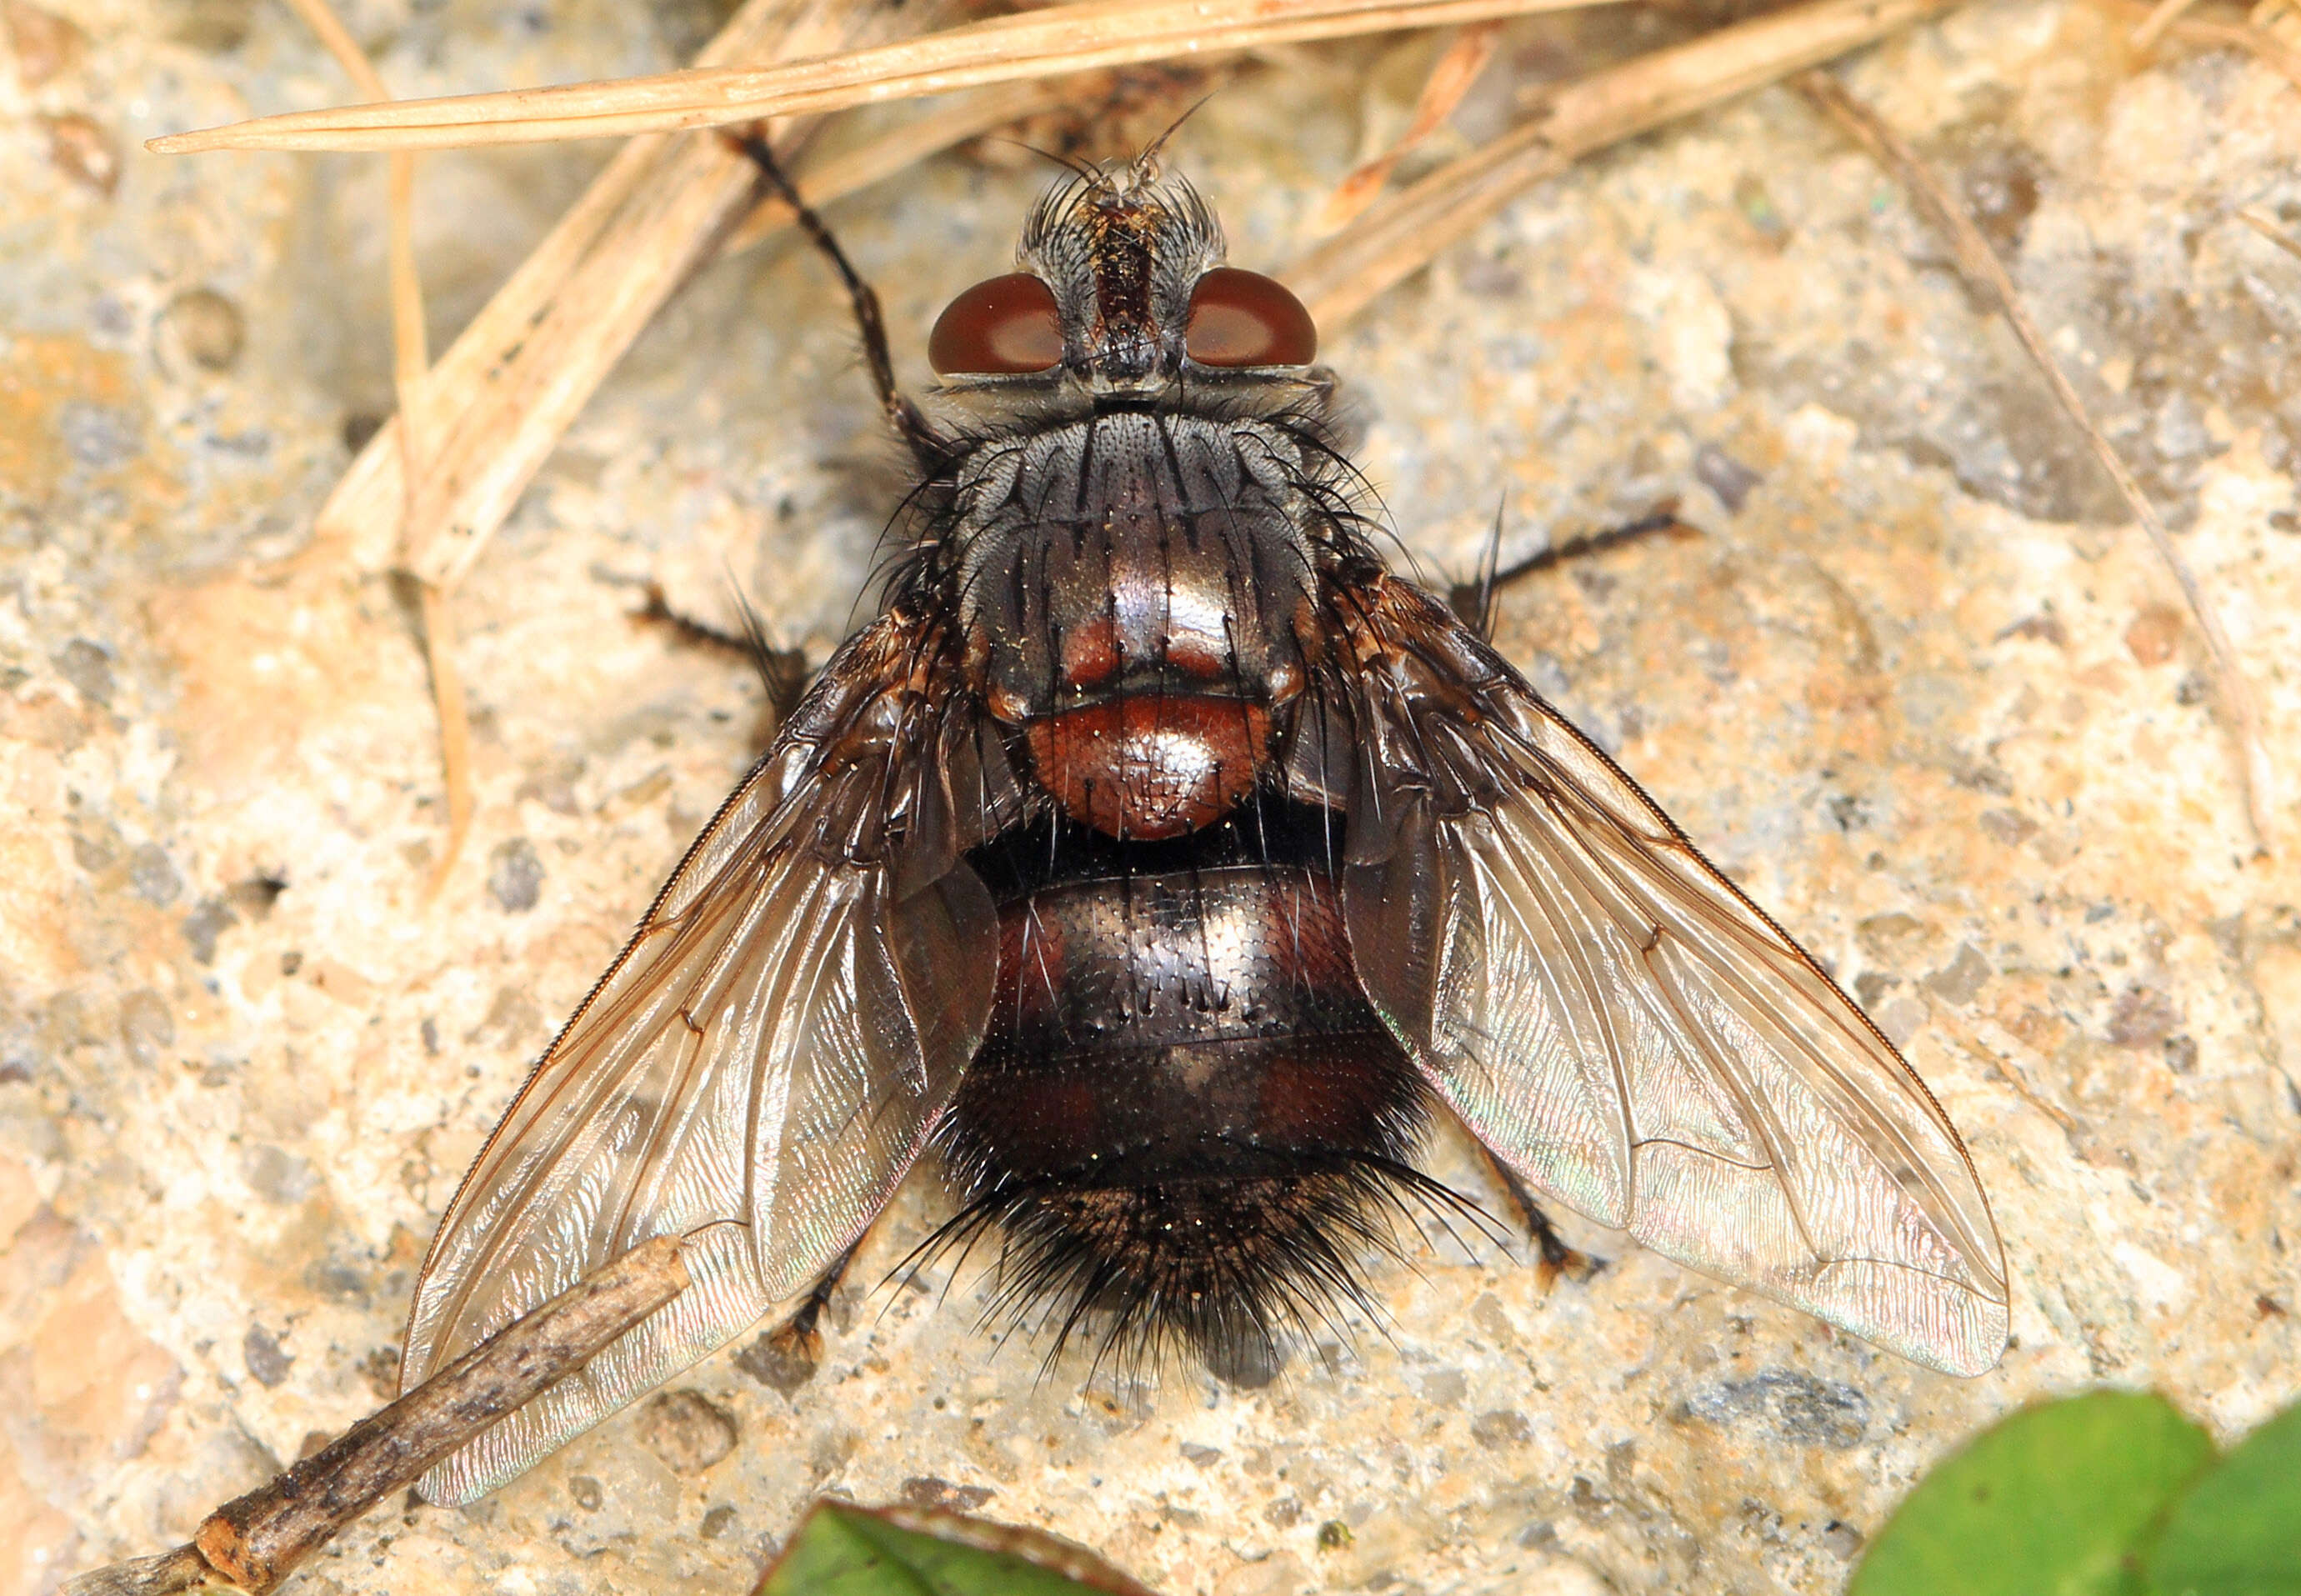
x,y
1978,264
454,725
2162,17
410,362
255,1542
411,365
2265,46
1401,234
1051,41
2270,230
2278,55
1451,76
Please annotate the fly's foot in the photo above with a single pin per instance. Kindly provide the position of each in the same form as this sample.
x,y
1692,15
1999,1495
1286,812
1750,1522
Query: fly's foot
x,y
1555,1257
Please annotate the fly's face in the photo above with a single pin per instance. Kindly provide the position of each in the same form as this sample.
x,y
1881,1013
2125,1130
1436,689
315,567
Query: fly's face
x,y
1166,864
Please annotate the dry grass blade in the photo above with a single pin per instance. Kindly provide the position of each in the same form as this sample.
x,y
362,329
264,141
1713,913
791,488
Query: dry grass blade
x,y
510,427
1979,265
948,123
411,364
2273,51
1036,44
1458,67
2162,17
516,377
1403,233
2270,230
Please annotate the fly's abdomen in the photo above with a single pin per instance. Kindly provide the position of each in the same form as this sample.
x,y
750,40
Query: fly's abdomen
x,y
1199,1026
1185,1102
1185,1115
1151,765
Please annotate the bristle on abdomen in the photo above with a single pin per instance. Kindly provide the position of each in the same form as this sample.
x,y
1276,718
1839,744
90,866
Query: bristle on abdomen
x,y
1226,1271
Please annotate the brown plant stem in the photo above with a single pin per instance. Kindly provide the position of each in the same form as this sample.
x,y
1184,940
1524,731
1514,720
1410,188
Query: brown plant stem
x,y
1047,42
257,1541
1399,235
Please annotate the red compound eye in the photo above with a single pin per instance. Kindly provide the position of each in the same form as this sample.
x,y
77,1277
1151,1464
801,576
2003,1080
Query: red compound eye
x,y
997,328
1245,319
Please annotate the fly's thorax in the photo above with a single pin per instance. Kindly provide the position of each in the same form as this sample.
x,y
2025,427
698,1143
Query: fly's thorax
x,y
1131,588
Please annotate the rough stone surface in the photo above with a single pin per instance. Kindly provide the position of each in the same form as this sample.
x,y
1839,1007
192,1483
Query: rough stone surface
x,y
1918,686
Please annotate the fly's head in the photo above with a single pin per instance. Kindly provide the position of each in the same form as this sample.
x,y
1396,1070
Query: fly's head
x,y
1121,301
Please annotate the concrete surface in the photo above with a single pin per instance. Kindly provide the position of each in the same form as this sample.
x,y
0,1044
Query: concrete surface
x,y
1918,686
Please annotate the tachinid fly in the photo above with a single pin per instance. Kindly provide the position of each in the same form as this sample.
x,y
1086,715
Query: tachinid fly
x,y
1165,864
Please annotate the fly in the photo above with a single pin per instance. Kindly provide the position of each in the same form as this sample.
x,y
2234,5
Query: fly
x,y
1164,865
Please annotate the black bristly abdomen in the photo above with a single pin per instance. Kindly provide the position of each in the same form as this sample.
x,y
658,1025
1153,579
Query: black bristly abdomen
x,y
1185,1116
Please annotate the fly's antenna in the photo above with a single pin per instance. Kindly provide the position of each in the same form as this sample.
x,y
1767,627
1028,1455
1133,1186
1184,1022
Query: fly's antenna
x,y
1146,164
1073,165
909,422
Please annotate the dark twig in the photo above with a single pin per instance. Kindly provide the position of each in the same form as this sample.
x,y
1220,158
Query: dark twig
x,y
255,1542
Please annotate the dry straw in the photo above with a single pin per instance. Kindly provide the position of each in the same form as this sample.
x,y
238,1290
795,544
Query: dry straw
x,y
1035,44
1452,75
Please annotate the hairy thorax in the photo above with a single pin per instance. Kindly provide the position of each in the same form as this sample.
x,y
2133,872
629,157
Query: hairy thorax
x,y
1132,588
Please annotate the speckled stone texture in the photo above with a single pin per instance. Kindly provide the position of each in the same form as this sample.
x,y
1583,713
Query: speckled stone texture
x,y
1918,686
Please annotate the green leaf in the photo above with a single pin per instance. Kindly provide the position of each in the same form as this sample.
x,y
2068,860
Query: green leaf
x,y
2051,1501
2238,1531
841,1549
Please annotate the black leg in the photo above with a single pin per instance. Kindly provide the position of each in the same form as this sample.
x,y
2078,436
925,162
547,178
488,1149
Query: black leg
x,y
800,1333
1473,602
1557,1257
909,423
783,671
786,1357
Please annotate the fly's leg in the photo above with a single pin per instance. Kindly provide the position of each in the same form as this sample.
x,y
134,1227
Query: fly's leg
x,y
1473,602
800,1331
783,671
1557,1257
786,1357
911,424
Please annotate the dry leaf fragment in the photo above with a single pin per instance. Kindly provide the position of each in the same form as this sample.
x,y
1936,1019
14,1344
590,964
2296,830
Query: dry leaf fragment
x,y
1457,68
83,152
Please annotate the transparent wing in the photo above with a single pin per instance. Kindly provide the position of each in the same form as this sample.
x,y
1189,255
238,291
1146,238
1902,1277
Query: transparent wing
x,y
1620,1025
756,1070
